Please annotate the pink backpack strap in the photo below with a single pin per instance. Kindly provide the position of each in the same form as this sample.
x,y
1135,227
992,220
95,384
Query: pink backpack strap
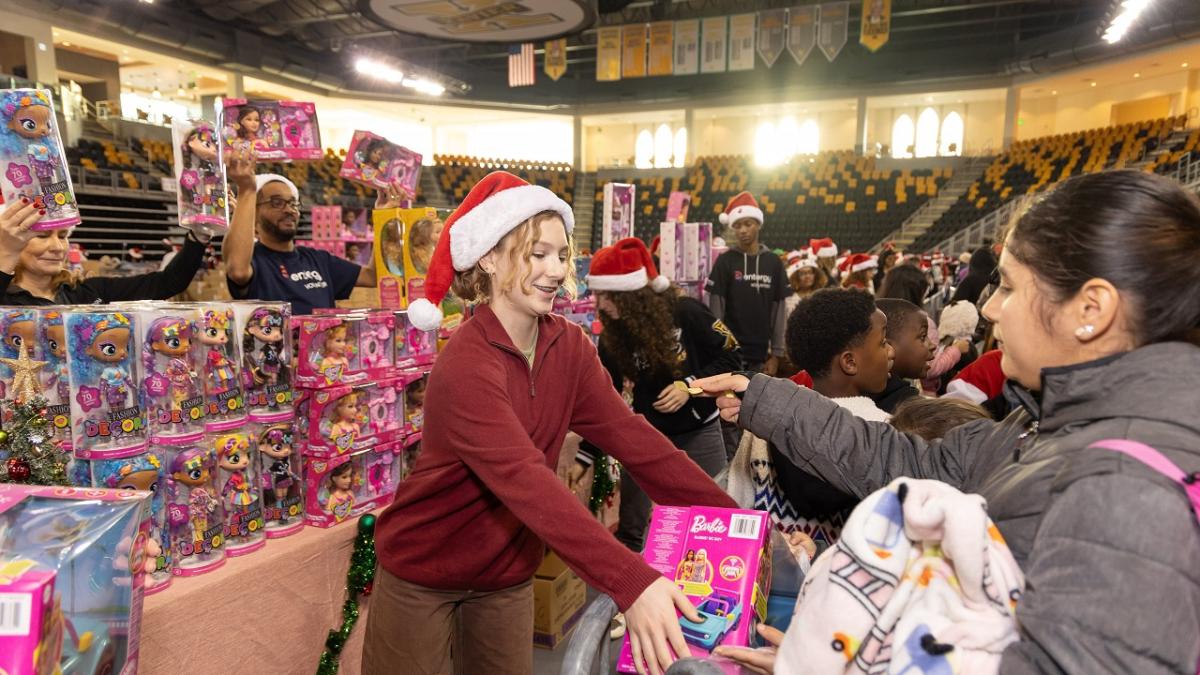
x,y
1159,462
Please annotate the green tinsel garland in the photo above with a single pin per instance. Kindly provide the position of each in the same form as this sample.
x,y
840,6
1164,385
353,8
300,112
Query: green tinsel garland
x,y
358,582
30,454
604,482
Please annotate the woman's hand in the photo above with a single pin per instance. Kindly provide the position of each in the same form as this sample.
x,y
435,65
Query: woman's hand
x,y
654,627
393,196
761,660
671,398
16,222
726,388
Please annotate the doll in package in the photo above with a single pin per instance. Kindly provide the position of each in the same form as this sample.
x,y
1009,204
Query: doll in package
x,y
107,419
172,387
278,130
32,162
377,162
201,176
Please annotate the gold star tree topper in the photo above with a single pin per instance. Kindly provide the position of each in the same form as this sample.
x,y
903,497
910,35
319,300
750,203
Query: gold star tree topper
x,y
24,375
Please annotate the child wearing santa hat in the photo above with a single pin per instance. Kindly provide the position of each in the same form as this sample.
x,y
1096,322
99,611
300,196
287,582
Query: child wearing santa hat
x,y
459,545
857,271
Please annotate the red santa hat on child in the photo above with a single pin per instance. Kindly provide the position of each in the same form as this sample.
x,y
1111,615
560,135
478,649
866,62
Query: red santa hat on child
x,y
497,204
625,266
858,262
823,248
743,205
799,262
263,178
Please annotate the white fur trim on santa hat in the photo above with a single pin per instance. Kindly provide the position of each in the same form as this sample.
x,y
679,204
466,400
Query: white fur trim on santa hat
x,y
263,178
865,265
478,231
630,281
424,314
740,212
830,251
801,264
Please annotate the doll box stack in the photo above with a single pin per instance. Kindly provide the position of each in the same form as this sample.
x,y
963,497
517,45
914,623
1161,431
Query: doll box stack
x,y
720,559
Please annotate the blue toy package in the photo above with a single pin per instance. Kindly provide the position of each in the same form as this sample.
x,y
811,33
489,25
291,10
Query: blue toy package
x,y
32,163
56,379
107,418
172,359
94,543
18,334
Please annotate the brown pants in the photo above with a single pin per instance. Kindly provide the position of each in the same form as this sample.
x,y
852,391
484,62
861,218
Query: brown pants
x,y
410,630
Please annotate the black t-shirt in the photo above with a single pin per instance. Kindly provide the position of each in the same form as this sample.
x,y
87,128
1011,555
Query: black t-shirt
x,y
305,277
751,285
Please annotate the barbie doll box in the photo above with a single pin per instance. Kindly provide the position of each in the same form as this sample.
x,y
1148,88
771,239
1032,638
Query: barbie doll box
x,y
33,165
720,559
278,130
376,162
71,578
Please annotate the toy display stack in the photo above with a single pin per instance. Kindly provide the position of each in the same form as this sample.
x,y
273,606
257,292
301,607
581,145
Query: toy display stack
x,y
685,254
361,387
342,232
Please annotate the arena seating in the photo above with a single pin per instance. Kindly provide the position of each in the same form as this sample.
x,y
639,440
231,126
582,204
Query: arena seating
x,y
1034,165
455,174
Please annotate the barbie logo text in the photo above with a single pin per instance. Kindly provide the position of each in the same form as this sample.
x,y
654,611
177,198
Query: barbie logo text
x,y
714,526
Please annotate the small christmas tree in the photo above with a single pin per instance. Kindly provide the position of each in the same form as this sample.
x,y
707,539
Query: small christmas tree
x,y
27,445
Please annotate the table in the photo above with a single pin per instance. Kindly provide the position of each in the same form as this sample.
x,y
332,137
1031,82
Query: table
x,y
266,612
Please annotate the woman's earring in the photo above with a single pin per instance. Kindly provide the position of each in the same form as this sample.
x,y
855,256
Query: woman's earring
x,y
1086,331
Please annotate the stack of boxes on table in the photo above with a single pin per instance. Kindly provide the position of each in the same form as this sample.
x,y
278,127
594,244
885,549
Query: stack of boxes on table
x,y
361,381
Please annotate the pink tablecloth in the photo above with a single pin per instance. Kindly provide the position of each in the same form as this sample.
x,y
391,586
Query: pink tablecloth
x,y
266,612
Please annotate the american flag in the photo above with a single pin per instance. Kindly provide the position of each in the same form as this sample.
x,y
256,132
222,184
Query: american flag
x,y
520,65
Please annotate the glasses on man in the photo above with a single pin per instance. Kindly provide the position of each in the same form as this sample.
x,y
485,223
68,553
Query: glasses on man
x,y
280,203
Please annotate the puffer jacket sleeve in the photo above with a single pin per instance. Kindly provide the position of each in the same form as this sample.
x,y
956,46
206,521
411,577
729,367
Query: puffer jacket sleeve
x,y
854,455
1112,582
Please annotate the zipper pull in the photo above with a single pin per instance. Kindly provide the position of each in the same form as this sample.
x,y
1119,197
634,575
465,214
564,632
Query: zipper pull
x,y
532,389
1031,431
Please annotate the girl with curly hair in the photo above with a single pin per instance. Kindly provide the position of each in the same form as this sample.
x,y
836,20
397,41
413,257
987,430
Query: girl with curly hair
x,y
660,340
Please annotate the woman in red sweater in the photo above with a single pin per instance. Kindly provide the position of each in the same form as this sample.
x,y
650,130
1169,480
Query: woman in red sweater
x,y
459,546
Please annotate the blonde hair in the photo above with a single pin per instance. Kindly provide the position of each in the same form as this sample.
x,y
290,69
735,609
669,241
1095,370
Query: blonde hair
x,y
475,285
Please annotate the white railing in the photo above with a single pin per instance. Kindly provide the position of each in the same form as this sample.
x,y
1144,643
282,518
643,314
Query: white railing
x,y
985,229
1188,171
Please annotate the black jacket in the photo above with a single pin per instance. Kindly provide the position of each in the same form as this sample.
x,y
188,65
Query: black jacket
x,y
983,263
165,283
896,392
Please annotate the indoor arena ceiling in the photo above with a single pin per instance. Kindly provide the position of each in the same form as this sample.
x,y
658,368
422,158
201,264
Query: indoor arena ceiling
x,y
314,44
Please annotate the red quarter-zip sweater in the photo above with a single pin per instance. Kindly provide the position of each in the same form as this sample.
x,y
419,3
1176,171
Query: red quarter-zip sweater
x,y
484,494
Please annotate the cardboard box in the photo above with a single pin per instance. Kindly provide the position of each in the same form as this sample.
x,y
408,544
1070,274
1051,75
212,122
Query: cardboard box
x,y
558,599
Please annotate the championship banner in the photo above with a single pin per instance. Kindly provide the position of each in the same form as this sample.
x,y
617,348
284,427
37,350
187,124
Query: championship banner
x,y
876,24
608,54
633,53
771,34
802,32
741,42
831,30
713,33
662,35
687,47
555,62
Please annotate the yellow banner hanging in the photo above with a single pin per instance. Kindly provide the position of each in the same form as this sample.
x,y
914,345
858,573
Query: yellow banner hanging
x,y
662,48
555,63
876,24
633,58
608,54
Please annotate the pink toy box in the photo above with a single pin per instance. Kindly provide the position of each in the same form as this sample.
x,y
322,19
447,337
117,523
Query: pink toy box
x,y
414,347
344,419
339,346
278,130
84,614
377,162
415,382
332,246
201,177
721,560
327,222
33,165
338,487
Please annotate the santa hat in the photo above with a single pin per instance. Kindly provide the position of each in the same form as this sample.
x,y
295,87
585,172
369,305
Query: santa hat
x,y
858,262
655,244
497,204
823,248
263,178
743,205
981,381
800,263
959,320
625,266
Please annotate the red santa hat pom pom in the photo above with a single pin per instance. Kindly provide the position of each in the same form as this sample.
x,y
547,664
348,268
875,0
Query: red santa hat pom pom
x,y
743,205
625,266
497,204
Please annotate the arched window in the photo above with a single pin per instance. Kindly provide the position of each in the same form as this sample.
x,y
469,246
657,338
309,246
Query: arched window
x,y
787,139
902,137
643,150
927,133
810,138
663,145
681,140
766,151
952,136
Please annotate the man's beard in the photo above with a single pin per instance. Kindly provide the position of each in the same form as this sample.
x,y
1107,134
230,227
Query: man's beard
x,y
275,231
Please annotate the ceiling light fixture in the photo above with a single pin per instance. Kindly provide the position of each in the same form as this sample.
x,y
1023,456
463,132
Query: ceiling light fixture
x,y
1136,75
383,71
1127,12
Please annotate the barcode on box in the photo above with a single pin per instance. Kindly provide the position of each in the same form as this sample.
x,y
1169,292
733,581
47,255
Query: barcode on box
x,y
15,610
742,526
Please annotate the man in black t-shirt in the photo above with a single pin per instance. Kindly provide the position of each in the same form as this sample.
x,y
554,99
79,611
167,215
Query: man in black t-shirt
x,y
274,268
747,288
